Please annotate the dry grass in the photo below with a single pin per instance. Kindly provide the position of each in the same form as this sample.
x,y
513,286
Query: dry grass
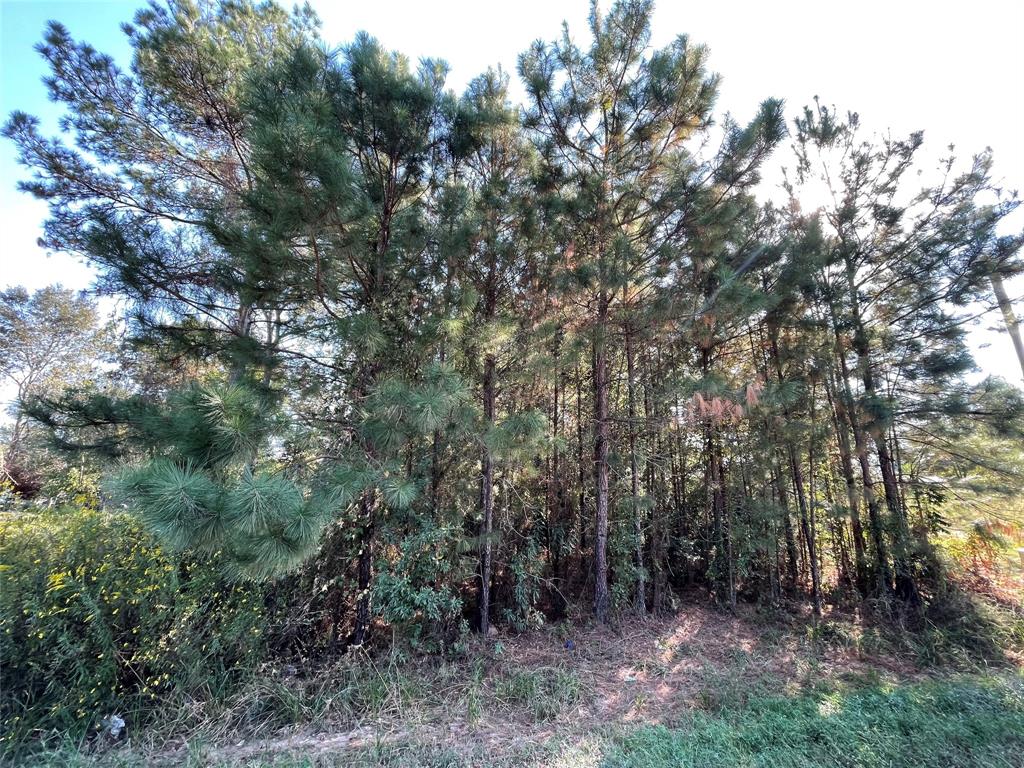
x,y
554,696
532,689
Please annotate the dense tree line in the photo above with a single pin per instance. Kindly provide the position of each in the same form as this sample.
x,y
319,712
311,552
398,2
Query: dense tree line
x,y
458,358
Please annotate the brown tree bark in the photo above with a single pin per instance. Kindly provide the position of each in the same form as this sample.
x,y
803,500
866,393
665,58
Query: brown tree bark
x,y
840,424
602,386
1012,325
486,500
639,600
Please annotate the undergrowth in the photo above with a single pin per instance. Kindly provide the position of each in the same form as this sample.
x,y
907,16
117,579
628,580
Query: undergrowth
x,y
95,619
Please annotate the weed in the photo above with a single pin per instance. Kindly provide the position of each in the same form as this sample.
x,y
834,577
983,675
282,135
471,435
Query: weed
x,y
545,693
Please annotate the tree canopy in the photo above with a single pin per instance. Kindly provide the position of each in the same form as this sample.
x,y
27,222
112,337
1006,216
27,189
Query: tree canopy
x,y
472,361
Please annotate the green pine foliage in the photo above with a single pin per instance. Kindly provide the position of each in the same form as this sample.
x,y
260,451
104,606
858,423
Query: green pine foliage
x,y
444,360
214,490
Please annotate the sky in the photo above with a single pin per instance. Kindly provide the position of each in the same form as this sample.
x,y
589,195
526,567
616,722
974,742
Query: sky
x,y
952,68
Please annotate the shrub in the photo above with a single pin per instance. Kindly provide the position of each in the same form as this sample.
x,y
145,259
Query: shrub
x,y
95,619
413,592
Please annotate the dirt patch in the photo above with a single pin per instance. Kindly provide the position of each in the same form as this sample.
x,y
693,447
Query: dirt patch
x,y
658,668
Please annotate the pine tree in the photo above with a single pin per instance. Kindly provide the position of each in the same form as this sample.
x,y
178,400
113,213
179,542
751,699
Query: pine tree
x,y
493,162
611,121
160,152
344,154
439,351
900,264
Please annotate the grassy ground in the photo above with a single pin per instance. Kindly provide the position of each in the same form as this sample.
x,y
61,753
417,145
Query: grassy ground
x,y
964,723
702,688
970,721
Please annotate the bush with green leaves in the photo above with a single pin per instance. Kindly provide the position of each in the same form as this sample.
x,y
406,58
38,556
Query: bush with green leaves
x,y
415,593
96,618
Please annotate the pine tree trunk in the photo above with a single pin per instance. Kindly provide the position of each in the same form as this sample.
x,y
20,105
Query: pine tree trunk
x,y
882,572
805,527
658,488
812,541
242,327
557,516
677,455
368,515
1012,325
725,513
366,376
861,439
906,589
486,500
602,385
778,484
787,530
716,492
798,484
846,466
639,601
436,467
361,630
581,462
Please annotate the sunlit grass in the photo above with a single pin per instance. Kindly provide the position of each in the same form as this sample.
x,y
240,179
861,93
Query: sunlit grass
x,y
949,724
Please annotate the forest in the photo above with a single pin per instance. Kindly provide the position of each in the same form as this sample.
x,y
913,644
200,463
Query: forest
x,y
396,404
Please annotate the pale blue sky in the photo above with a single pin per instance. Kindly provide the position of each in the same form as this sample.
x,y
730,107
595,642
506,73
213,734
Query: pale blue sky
x,y
954,69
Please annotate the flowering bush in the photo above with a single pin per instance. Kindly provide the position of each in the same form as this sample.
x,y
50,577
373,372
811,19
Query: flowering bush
x,y
95,618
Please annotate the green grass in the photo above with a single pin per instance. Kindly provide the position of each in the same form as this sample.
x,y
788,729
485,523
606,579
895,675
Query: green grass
x,y
952,724
545,693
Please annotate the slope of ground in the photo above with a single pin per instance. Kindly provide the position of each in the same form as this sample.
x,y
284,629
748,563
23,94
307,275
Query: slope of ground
x,y
694,689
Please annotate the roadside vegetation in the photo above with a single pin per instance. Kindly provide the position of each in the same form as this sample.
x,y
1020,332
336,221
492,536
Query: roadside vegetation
x,y
431,428
97,620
